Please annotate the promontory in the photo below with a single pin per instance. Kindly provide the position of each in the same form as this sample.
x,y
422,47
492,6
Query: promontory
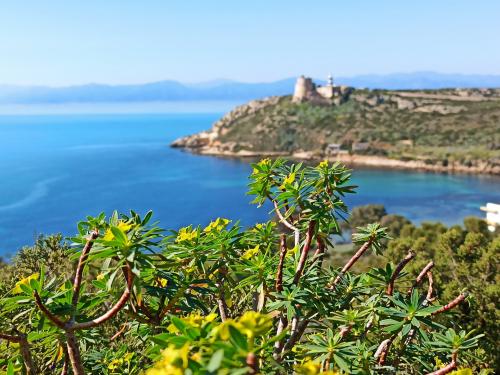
x,y
456,130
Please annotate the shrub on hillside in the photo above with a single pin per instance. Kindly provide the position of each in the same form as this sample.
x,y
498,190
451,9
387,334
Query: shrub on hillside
x,y
222,299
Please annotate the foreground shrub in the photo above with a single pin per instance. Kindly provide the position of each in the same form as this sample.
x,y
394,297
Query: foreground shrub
x,y
222,299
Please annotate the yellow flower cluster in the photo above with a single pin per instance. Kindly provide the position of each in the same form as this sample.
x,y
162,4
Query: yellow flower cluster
x,y
312,368
118,362
194,320
251,323
217,225
26,281
323,164
288,180
173,361
250,253
264,162
186,234
261,226
123,226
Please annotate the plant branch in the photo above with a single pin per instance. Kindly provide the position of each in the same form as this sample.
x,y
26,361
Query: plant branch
x,y
74,353
24,349
286,223
117,334
383,349
296,335
279,274
448,368
397,271
221,299
430,287
11,338
54,319
115,309
305,251
450,305
252,363
77,283
421,276
351,261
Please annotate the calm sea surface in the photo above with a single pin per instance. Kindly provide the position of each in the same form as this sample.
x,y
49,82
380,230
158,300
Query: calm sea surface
x,y
56,169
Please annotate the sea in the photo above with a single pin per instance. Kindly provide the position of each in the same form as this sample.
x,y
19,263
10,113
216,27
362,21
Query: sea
x,y
55,169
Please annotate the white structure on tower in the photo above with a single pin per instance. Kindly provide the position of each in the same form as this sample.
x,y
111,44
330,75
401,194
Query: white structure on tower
x,y
329,81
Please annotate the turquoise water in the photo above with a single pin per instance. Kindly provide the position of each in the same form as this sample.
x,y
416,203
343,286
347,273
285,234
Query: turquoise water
x,y
56,169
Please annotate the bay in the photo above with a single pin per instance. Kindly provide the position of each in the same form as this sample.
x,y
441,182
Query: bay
x,y
56,169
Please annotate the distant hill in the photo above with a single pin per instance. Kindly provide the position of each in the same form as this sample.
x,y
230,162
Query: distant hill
x,y
227,89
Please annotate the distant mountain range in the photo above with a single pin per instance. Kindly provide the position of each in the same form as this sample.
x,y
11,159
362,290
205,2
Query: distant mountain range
x,y
227,89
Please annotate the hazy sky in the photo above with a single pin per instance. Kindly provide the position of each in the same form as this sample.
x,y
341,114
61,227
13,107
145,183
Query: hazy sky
x,y
123,41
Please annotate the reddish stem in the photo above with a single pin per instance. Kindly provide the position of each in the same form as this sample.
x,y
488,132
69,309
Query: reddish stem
x,y
351,261
430,287
448,368
450,305
397,271
385,351
115,309
54,319
77,283
421,276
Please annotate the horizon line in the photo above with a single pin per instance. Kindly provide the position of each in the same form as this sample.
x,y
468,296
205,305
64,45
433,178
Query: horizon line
x,y
231,80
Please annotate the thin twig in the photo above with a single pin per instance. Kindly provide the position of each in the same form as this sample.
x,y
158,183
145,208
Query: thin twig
x,y
397,271
319,254
64,370
278,345
117,334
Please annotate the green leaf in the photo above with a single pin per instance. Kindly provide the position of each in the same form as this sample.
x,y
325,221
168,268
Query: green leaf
x,y
10,368
120,235
237,338
216,360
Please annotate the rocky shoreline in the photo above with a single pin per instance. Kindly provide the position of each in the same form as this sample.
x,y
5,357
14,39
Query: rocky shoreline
x,y
355,160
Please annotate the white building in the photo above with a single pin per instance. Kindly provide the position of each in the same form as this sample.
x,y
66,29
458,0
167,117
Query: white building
x,y
492,215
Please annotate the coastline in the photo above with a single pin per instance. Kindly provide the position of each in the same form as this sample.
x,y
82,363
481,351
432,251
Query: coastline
x,y
353,159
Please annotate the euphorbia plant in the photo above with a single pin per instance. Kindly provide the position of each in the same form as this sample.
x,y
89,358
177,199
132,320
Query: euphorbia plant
x,y
222,299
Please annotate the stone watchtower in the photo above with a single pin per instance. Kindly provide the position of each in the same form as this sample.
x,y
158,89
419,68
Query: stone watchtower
x,y
304,89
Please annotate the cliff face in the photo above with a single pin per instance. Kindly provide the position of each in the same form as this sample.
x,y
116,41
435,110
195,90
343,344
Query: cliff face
x,y
432,129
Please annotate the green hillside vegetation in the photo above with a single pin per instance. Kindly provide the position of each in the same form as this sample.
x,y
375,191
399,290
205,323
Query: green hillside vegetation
x,y
466,136
436,127
128,297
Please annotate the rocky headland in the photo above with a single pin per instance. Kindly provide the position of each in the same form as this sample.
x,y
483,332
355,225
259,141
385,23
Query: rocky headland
x,y
450,130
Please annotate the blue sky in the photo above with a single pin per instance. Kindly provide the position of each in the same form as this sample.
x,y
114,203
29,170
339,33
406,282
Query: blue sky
x,y
120,41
